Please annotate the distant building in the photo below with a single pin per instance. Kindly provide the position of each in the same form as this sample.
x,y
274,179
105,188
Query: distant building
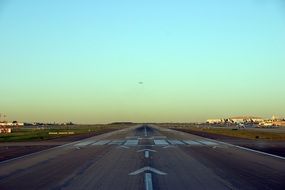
x,y
5,130
274,121
11,124
279,123
246,119
266,124
215,121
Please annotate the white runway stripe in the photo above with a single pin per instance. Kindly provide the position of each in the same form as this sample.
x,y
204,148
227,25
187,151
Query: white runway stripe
x,y
118,142
103,142
194,143
175,142
84,143
160,142
131,142
210,143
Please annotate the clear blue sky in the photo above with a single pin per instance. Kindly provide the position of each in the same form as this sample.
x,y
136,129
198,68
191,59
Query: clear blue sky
x,y
82,61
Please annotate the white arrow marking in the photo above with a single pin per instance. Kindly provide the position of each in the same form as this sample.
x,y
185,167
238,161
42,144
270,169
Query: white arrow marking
x,y
150,150
147,168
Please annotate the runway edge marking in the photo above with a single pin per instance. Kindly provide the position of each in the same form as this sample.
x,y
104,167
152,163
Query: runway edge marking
x,y
249,149
244,148
240,147
260,152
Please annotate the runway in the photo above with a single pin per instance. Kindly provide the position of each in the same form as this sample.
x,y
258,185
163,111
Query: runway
x,y
144,157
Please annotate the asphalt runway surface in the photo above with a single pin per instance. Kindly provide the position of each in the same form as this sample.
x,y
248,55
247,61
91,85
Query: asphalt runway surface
x,y
144,157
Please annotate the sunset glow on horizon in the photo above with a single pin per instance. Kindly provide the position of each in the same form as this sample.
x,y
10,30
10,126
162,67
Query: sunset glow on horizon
x,y
141,61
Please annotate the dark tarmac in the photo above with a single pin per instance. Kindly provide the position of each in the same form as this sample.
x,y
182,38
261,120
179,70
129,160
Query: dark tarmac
x,y
144,157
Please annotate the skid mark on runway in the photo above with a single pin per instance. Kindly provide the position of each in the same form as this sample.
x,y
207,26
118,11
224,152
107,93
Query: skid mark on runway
x,y
67,182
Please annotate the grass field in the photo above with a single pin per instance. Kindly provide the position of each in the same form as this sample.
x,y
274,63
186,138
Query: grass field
x,y
35,134
232,132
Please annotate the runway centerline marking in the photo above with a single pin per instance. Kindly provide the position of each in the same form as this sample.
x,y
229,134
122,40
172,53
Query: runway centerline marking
x,y
146,154
148,181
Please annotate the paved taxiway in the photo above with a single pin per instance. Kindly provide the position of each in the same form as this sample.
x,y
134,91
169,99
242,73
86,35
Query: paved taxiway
x,y
144,157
